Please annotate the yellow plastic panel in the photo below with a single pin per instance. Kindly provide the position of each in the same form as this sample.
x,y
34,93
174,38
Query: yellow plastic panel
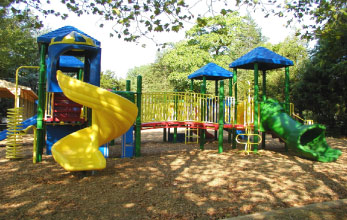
x,y
112,116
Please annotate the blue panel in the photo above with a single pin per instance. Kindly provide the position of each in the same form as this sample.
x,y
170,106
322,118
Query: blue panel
x,y
265,58
104,150
128,144
212,72
55,133
92,65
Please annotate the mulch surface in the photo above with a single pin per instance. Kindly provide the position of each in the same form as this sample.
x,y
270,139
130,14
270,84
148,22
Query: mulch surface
x,y
173,181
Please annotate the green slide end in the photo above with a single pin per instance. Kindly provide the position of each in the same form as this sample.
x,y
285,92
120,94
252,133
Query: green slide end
x,y
308,141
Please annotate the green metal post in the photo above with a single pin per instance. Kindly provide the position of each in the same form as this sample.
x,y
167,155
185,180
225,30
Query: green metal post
x,y
176,109
203,109
286,89
216,94
40,134
256,90
191,90
264,99
128,85
221,117
164,134
235,115
286,95
230,94
138,118
80,74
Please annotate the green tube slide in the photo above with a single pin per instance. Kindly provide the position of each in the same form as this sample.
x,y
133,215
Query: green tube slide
x,y
308,141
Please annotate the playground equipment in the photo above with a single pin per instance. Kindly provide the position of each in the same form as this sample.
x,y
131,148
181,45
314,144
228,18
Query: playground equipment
x,y
205,111
75,115
78,117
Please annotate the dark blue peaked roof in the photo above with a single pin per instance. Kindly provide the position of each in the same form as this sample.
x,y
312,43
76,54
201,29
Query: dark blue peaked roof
x,y
265,58
212,72
46,38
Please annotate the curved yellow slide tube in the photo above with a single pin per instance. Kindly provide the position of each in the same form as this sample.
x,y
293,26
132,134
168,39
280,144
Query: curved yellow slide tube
x,y
112,116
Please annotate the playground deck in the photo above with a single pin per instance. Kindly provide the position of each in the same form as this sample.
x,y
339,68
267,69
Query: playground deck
x,y
174,181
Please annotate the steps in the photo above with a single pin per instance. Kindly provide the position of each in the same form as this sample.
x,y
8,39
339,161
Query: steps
x,y
65,110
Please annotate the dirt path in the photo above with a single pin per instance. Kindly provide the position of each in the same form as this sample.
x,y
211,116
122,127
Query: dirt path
x,y
175,181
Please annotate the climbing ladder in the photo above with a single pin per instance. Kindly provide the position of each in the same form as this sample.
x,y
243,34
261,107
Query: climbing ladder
x,y
191,135
61,109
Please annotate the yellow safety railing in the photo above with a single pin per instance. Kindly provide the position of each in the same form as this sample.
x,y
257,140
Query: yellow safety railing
x,y
229,116
49,108
35,138
296,116
179,106
194,107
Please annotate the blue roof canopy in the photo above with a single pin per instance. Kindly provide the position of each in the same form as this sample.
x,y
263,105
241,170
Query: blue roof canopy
x,y
266,59
212,72
63,31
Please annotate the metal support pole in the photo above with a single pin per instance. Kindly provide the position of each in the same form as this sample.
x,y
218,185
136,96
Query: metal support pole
x,y
138,118
221,117
164,134
203,109
230,94
215,108
286,90
256,90
176,110
264,99
286,94
40,141
128,85
235,111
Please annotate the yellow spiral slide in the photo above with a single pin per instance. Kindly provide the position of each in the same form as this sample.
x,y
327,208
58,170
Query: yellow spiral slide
x,y
112,116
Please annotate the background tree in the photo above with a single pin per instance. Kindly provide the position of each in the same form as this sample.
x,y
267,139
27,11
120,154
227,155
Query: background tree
x,y
294,49
321,88
109,80
218,39
314,16
154,78
18,47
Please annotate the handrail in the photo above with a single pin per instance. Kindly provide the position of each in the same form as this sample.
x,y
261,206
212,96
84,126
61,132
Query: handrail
x,y
304,121
24,131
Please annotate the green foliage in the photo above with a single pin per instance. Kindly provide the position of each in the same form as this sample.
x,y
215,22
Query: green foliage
x,y
294,49
321,87
17,48
109,80
133,19
218,39
315,16
153,78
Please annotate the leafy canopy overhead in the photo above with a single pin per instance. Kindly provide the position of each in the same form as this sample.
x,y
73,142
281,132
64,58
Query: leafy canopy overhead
x,y
133,19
